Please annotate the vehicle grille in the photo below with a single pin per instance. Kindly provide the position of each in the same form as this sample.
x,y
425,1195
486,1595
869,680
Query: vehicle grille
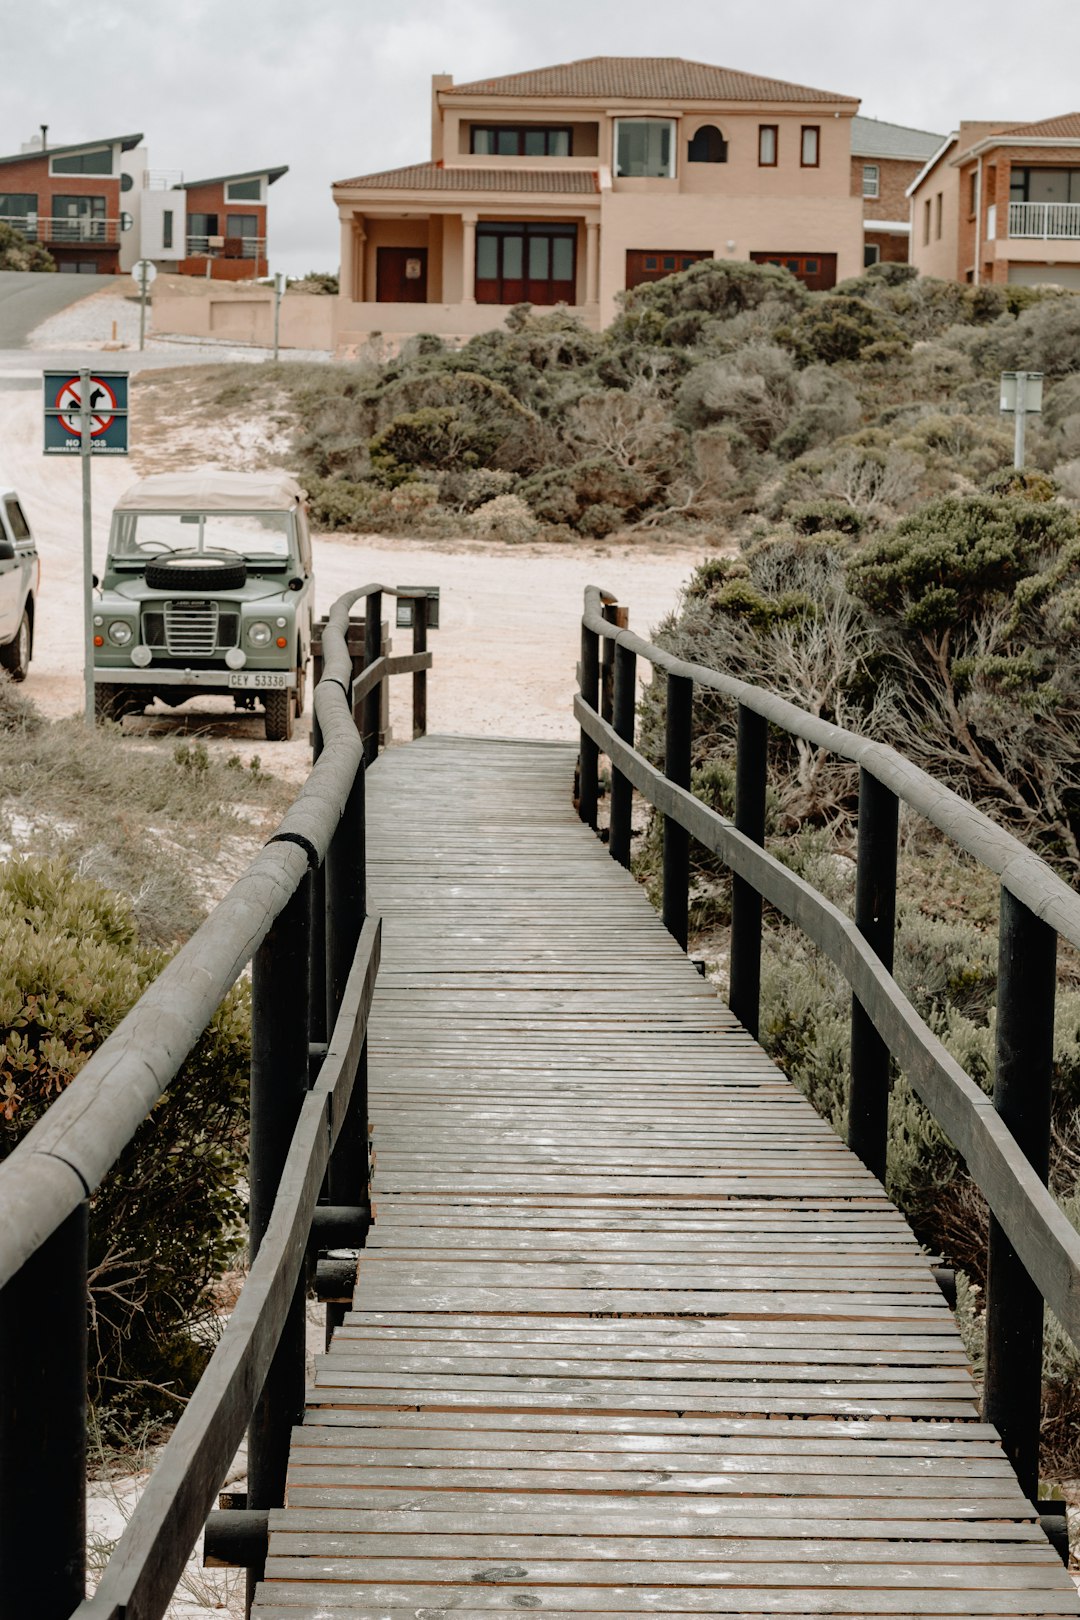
x,y
196,629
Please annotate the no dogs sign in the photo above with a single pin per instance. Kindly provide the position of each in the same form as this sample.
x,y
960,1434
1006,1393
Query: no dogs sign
x,y
107,398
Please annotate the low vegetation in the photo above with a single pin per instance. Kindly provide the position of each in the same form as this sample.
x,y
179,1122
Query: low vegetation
x,y
110,859
726,399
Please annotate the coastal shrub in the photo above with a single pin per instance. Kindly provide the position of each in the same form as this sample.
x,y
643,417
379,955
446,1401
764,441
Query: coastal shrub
x,y
167,1220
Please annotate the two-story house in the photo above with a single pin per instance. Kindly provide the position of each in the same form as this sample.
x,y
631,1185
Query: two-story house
x,y
71,199
885,159
1000,203
568,184
215,227
99,208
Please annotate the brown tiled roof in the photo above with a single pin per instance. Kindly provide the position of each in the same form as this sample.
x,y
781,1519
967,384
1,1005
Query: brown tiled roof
x,y
643,78
1066,127
433,177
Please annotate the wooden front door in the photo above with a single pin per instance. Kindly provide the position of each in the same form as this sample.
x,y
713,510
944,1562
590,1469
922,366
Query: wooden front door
x,y
401,275
815,270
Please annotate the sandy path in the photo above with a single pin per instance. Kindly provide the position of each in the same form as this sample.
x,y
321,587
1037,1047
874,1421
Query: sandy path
x,y
505,653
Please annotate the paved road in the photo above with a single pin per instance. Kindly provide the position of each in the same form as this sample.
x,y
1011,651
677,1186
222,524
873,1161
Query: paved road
x,y
29,297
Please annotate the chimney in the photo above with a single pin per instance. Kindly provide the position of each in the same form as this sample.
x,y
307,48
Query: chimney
x,y
439,81
44,137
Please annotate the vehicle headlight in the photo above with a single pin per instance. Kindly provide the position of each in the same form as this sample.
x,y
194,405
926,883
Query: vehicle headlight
x,y
260,634
120,632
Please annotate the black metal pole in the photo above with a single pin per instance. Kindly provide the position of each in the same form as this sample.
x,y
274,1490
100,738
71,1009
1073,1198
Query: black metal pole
x,y
624,702
43,1331
751,774
589,762
372,647
678,733
419,680
1027,981
279,1083
875,918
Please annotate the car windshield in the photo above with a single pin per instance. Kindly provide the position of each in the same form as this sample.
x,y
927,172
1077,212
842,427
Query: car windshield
x,y
258,536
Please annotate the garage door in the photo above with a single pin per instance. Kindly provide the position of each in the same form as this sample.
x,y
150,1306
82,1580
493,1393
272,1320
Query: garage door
x,y
815,270
1043,275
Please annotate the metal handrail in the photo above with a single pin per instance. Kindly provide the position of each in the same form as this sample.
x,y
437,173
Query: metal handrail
x,y
1034,1251
312,870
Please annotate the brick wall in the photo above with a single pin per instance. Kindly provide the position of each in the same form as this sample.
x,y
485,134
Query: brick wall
x,y
894,177
210,199
30,175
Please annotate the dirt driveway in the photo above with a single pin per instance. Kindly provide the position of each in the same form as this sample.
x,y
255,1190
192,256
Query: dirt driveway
x,y
504,656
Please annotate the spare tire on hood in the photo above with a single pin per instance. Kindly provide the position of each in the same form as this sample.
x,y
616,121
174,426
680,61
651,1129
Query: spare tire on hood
x,y
196,571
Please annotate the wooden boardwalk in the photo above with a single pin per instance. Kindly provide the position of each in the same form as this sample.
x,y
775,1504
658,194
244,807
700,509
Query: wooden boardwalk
x,y
634,1333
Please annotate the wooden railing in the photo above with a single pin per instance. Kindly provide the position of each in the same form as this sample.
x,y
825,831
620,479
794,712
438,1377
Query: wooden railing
x,y
1034,1252
299,916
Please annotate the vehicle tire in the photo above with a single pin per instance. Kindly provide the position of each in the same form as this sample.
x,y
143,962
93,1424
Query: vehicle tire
x,y
110,702
196,571
15,655
279,715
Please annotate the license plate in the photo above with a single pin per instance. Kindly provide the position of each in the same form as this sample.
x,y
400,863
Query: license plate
x,y
258,679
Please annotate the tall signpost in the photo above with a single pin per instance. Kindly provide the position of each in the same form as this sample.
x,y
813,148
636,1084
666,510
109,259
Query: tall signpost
x,y
86,415
143,274
1021,396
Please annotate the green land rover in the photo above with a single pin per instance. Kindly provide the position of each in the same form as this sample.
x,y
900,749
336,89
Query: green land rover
x,y
208,588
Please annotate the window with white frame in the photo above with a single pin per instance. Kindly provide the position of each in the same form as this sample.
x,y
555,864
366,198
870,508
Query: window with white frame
x,y
871,180
645,147
97,161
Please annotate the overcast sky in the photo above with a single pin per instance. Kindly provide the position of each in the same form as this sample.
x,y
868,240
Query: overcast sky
x,y
341,87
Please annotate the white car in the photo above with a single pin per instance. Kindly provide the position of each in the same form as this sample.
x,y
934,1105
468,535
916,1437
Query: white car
x,y
20,574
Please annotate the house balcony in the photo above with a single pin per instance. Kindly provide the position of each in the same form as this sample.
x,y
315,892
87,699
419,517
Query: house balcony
x,y
65,232
226,247
1045,221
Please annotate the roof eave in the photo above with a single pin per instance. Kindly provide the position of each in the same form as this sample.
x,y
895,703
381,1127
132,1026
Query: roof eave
x,y
931,163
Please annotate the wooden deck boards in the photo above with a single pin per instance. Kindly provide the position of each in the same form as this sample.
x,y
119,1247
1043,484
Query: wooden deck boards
x,y
633,1332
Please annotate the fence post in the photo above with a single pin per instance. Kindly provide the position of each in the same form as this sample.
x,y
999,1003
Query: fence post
x,y
751,773
279,1083
1027,975
43,1333
589,760
875,918
372,644
678,732
607,665
624,701
419,680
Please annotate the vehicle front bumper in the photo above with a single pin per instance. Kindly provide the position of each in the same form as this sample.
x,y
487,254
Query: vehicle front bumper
x,y
215,679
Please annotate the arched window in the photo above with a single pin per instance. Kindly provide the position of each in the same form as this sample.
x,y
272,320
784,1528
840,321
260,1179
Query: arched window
x,y
708,146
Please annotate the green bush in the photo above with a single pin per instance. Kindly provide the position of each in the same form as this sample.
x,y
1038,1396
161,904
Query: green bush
x,y
167,1221
845,328
816,517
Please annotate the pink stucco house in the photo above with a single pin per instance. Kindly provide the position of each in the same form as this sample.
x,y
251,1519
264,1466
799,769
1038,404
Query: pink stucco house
x,y
568,184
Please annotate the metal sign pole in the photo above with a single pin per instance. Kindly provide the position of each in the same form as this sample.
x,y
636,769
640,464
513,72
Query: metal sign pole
x,y
88,545
1020,419
279,289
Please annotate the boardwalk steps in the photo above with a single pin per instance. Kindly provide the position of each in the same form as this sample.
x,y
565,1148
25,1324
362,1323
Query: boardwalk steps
x,y
634,1333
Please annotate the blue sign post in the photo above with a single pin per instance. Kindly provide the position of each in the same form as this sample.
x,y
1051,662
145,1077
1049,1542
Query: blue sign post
x,y
86,416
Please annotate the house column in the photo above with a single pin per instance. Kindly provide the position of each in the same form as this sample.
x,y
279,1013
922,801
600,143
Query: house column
x,y
592,261
468,258
351,278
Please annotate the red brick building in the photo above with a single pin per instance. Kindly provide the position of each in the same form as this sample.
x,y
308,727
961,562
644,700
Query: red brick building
x,y
885,159
224,227
71,199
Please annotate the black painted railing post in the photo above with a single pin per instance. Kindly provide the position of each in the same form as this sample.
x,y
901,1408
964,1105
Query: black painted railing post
x,y
43,1332
419,680
373,701
1027,974
624,702
589,760
317,1030
279,1083
678,735
751,774
875,918
607,666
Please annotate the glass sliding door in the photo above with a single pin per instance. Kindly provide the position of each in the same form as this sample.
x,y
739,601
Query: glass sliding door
x,y
526,263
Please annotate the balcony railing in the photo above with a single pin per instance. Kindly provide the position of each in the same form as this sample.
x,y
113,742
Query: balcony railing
x,y
226,247
84,231
1044,219
162,179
